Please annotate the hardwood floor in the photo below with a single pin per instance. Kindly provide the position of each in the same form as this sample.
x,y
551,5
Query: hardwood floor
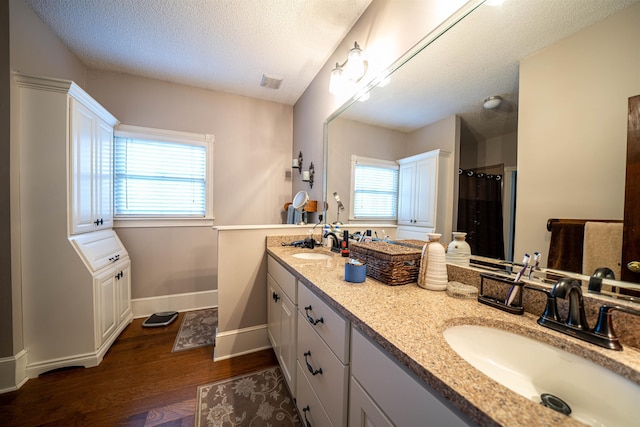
x,y
139,383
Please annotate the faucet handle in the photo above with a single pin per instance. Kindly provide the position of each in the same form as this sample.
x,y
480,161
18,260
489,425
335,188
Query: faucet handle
x,y
551,309
604,327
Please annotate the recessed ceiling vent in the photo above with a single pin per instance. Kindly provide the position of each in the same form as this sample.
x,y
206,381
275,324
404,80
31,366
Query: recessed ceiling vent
x,y
271,82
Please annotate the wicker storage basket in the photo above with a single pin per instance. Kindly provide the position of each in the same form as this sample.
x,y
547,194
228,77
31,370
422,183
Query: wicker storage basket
x,y
392,264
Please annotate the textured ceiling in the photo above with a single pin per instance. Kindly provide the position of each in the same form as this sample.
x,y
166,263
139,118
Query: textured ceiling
x,y
477,58
224,45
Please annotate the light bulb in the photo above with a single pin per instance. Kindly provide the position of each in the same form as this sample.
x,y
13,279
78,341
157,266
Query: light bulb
x,y
355,63
336,83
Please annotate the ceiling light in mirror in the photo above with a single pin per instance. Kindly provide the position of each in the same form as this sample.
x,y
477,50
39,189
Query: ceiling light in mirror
x,y
492,102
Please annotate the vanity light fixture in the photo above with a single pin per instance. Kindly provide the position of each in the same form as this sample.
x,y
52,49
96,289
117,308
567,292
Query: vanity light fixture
x,y
297,163
492,102
307,176
350,71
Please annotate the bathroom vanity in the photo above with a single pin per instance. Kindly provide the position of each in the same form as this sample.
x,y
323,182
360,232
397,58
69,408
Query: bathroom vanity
x,y
386,351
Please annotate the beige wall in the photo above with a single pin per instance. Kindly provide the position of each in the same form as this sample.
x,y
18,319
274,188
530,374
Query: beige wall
x,y
573,128
442,135
500,150
36,50
348,138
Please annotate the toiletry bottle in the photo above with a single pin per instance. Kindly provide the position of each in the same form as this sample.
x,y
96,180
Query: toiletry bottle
x,y
325,238
345,244
345,250
367,236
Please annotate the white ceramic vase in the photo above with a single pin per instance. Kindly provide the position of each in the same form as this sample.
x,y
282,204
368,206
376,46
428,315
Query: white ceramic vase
x,y
433,265
459,251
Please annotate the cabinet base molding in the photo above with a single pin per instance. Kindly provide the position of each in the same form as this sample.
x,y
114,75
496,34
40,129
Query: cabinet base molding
x,y
87,360
12,372
143,307
240,341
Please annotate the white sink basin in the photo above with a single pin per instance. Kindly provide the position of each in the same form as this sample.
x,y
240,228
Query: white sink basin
x,y
596,395
311,255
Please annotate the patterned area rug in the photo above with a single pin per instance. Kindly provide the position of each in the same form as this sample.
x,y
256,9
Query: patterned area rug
x,y
257,399
197,330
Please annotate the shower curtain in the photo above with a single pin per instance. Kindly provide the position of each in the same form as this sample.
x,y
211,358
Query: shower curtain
x,y
480,212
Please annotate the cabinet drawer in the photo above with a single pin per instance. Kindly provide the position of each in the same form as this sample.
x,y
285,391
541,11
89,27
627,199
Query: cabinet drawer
x,y
99,249
333,328
286,280
331,384
403,398
309,407
363,411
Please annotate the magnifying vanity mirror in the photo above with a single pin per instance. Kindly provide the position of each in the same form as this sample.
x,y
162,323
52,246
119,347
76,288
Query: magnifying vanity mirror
x,y
300,201
435,101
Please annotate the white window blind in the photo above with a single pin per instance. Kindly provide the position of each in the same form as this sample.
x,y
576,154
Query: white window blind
x,y
158,178
374,188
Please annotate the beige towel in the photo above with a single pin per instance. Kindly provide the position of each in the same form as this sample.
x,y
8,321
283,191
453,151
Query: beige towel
x,y
602,247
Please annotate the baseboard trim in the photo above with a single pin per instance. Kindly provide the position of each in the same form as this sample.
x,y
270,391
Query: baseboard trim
x,y
143,307
13,372
240,341
87,360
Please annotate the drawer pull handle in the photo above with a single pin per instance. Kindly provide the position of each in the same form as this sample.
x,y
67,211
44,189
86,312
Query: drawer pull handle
x,y
311,319
275,297
305,410
309,367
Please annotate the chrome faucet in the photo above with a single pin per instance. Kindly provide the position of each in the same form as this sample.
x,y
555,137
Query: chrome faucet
x,y
575,324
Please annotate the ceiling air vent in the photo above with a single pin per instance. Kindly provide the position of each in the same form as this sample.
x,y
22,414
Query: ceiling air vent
x,y
271,82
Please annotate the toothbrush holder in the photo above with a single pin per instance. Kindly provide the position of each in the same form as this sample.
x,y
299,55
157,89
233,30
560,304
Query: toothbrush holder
x,y
499,303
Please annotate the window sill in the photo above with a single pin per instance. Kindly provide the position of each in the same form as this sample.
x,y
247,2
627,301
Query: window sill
x,y
162,222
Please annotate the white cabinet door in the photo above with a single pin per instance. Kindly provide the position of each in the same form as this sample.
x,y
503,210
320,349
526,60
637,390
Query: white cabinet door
x,y
282,319
289,338
105,306
425,195
82,128
112,300
123,291
103,202
405,193
91,171
274,301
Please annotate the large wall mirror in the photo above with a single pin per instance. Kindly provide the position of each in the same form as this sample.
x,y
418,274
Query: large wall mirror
x,y
435,96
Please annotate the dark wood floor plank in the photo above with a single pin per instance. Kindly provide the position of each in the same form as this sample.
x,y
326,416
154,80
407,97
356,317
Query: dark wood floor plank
x,y
138,376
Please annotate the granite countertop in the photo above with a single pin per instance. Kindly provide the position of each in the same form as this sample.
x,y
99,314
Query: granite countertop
x,y
409,321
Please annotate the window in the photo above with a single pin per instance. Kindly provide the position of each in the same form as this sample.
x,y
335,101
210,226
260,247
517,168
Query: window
x,y
374,188
162,174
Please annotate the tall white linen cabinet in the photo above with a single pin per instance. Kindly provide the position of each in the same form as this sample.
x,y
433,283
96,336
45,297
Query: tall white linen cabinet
x,y
75,274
